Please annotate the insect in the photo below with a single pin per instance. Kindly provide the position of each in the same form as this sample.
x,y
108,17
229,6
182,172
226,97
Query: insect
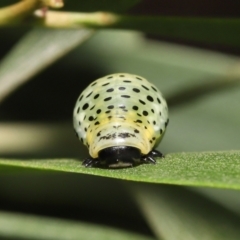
x,y
121,118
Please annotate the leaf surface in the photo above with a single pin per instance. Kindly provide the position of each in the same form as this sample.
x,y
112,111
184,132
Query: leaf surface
x,y
209,169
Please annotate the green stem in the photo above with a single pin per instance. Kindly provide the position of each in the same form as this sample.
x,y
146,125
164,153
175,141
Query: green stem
x,y
54,19
14,14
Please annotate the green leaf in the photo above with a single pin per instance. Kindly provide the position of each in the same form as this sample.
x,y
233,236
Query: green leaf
x,y
176,213
16,226
220,31
99,5
37,50
210,169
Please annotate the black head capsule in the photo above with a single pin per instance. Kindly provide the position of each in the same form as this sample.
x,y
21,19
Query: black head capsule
x,y
120,156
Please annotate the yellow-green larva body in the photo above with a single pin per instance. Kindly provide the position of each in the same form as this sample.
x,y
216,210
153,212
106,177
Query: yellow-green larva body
x,y
120,110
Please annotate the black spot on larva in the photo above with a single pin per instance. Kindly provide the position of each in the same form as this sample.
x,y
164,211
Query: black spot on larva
x,y
79,123
109,77
136,131
121,75
91,118
81,140
125,110
96,96
105,84
109,117
158,100
122,117
122,107
127,81
138,78
89,94
161,131
145,113
110,107
145,127
92,107
78,109
149,98
135,108
153,138
85,106
96,123
107,99
117,126
142,102
84,117
139,114
98,111
150,141
85,129
108,111
152,110
166,123
108,136
154,88
154,122
125,96
136,90
94,84
138,121
160,113
145,87
148,122
110,90
126,135
99,134
121,88
95,118
80,98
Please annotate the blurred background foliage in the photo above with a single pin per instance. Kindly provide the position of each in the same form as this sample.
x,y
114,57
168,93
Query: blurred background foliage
x,y
189,49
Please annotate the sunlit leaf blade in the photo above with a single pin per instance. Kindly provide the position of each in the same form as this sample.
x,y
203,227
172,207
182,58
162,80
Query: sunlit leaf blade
x,y
176,213
16,226
220,31
37,50
212,169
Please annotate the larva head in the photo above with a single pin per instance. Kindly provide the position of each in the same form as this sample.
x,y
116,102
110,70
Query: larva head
x,y
120,110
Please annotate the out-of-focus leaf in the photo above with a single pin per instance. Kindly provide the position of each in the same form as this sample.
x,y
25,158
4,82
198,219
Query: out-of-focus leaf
x,y
21,226
100,5
37,50
175,213
219,31
40,140
209,169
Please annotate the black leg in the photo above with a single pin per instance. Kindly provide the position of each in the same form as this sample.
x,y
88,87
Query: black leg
x,y
156,153
90,162
150,157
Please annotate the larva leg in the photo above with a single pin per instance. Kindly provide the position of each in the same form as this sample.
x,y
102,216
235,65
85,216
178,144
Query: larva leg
x,y
91,162
150,157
